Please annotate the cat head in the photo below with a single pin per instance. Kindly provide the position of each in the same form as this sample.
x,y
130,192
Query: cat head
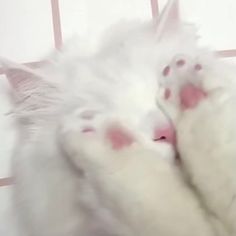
x,y
159,39
122,75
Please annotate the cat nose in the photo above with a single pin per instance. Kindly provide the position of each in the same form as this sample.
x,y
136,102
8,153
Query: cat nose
x,y
165,134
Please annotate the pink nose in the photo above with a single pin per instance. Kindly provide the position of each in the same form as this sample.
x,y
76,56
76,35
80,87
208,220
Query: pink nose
x,y
165,134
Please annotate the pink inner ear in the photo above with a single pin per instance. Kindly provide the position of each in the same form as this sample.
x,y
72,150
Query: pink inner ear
x,y
15,77
19,79
174,11
169,18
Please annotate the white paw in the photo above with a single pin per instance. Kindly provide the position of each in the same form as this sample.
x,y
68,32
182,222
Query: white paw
x,y
91,128
182,80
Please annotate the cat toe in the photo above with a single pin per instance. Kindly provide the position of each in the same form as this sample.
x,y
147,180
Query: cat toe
x,y
166,71
183,84
183,66
180,62
198,67
167,93
87,120
87,129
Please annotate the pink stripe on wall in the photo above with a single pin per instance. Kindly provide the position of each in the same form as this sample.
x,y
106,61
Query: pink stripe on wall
x,y
222,53
34,64
155,8
56,20
227,53
6,181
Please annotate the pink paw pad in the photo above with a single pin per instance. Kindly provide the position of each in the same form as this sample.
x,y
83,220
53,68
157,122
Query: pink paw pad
x,y
198,67
166,71
88,130
180,63
190,96
167,93
87,115
118,137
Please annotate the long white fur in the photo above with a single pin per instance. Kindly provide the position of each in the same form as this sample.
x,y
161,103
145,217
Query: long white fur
x,y
71,184
208,138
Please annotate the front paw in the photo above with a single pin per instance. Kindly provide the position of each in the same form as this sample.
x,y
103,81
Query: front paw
x,y
92,134
183,82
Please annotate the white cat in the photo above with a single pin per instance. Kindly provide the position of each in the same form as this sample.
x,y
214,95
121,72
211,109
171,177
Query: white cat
x,y
90,159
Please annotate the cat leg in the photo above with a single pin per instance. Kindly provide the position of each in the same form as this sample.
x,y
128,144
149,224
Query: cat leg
x,y
143,190
207,145
206,137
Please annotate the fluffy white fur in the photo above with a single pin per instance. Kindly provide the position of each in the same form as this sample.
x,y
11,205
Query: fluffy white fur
x,y
206,135
69,183
206,139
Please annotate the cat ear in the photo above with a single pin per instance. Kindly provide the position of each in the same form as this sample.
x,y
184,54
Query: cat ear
x,y
33,95
21,78
169,19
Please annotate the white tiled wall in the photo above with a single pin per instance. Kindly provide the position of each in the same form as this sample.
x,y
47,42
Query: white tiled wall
x,y
91,18
26,35
216,20
25,29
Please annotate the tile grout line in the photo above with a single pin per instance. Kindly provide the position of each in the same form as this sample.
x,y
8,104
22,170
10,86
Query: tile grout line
x,y
154,8
56,20
6,181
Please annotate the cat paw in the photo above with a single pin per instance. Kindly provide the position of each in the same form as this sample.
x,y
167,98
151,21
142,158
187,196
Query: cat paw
x,y
118,137
100,127
182,82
